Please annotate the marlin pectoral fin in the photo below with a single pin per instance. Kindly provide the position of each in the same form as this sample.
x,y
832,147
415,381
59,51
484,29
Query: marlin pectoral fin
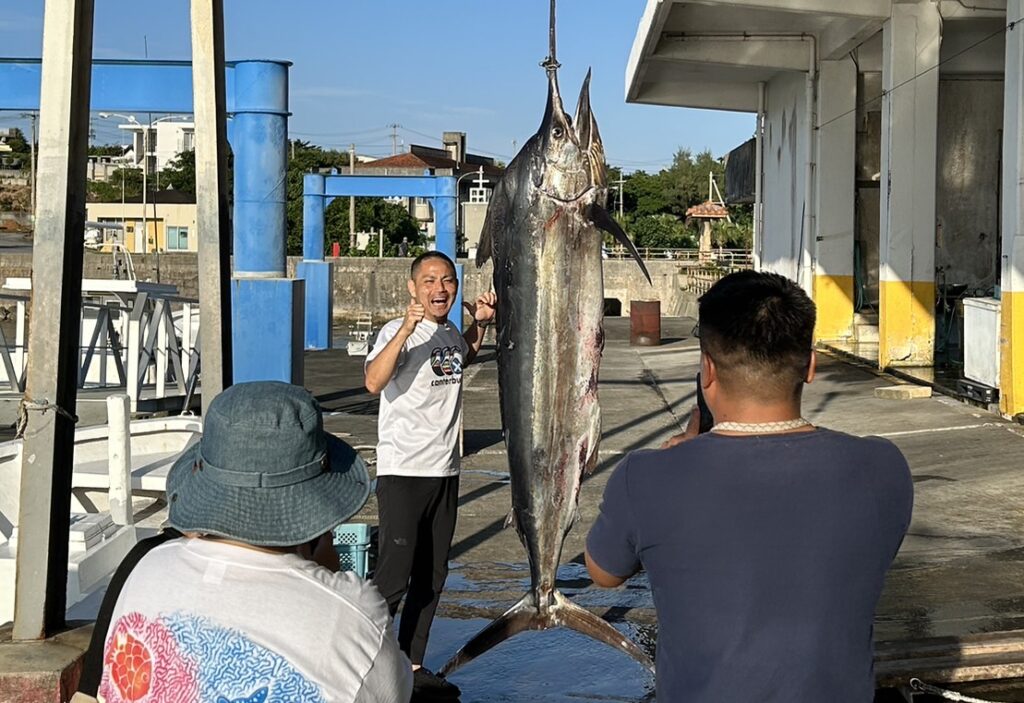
x,y
600,217
510,520
496,221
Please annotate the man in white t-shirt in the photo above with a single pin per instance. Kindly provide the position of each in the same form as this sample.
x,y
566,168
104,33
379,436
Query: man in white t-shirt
x,y
416,365
247,606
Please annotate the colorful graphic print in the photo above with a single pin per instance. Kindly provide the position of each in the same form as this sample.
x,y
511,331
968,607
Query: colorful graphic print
x,y
446,361
185,658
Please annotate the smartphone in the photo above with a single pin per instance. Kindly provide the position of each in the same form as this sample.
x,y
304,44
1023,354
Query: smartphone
x,y
706,420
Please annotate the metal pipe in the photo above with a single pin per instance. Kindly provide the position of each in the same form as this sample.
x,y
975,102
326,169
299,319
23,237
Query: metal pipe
x,y
758,247
261,162
809,238
313,217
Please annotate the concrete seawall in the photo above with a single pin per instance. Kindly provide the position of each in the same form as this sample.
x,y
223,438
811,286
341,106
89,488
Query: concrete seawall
x,y
378,285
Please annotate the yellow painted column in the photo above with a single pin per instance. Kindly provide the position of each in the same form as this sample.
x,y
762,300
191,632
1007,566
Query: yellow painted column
x,y
837,141
910,52
1011,338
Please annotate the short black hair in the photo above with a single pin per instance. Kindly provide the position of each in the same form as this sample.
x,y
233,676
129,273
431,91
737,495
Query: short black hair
x,y
758,328
425,256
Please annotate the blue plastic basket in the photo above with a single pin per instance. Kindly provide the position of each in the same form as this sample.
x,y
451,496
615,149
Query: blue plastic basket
x,y
352,542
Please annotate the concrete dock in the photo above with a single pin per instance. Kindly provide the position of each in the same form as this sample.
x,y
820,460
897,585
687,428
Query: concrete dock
x,y
954,602
953,606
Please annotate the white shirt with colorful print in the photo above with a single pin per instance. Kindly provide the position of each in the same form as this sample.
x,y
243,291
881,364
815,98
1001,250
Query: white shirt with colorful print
x,y
202,621
421,406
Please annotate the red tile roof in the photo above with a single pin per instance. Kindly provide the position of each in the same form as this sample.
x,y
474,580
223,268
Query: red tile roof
x,y
708,210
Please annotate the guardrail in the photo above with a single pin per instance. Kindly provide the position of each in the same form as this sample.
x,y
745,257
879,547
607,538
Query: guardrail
x,y
147,344
737,258
699,279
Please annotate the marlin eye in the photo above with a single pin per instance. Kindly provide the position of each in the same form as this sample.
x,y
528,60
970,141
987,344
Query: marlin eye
x,y
557,132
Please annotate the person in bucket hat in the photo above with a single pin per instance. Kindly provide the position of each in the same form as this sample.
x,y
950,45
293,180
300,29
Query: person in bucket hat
x,y
247,605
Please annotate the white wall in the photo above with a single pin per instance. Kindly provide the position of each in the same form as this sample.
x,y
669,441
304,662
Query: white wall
x,y
785,172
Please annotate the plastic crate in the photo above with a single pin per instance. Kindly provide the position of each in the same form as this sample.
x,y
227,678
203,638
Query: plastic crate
x,y
352,542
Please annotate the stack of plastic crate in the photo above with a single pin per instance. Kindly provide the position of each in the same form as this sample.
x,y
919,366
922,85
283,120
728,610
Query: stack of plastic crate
x,y
352,542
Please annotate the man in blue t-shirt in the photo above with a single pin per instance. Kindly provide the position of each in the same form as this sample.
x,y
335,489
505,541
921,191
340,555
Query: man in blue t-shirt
x,y
766,540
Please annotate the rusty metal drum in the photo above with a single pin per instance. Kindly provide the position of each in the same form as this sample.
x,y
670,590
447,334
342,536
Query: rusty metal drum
x,y
645,323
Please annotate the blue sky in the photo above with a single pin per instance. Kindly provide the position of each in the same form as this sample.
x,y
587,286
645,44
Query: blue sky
x,y
429,66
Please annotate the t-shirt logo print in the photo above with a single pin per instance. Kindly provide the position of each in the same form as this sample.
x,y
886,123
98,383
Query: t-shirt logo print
x,y
446,361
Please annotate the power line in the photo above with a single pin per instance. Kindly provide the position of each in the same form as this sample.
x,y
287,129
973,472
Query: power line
x,y
375,130
1009,27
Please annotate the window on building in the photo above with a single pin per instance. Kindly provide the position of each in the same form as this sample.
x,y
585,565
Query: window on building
x,y
177,239
187,141
479,195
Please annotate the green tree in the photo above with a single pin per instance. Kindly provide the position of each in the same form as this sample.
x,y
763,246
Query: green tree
x,y
647,194
19,145
305,158
110,191
180,173
106,150
661,231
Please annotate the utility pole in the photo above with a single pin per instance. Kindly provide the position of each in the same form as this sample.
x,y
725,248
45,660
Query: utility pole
x,y
622,199
351,201
145,188
394,138
32,166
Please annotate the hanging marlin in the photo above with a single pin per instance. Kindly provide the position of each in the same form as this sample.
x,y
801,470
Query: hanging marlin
x,y
544,230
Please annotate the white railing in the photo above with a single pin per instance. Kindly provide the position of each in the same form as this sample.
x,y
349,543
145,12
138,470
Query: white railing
x,y
147,344
736,258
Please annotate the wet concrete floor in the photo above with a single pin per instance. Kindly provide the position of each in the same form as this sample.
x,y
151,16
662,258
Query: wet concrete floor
x,y
960,571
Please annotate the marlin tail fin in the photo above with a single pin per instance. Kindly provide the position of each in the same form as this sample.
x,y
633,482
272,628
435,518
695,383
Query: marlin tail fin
x,y
525,615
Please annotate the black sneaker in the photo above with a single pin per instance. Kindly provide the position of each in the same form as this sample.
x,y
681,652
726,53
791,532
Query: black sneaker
x,y
426,685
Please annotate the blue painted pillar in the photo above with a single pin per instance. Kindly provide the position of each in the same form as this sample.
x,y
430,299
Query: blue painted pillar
x,y
267,307
313,217
445,203
317,273
458,314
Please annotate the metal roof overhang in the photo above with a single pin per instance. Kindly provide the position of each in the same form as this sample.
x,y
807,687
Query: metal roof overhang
x,y
713,54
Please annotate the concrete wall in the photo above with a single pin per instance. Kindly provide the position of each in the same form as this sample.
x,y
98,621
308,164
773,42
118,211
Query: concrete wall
x,y
178,269
967,184
378,285
785,171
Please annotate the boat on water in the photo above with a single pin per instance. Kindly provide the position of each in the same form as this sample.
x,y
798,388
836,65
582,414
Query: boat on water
x,y
100,534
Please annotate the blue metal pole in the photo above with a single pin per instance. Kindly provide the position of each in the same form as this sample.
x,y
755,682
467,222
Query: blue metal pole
x,y
317,273
444,215
445,203
313,217
267,308
458,313
261,162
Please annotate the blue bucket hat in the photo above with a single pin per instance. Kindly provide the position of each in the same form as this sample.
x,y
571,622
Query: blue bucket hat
x,y
264,471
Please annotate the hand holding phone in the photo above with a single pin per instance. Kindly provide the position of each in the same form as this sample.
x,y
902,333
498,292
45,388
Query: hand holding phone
x,y
706,419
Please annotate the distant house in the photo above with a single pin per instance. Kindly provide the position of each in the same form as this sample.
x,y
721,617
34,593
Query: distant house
x,y
161,140
451,160
170,221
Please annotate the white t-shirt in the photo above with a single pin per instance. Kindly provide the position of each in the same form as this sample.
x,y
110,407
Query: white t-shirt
x,y
206,622
421,406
